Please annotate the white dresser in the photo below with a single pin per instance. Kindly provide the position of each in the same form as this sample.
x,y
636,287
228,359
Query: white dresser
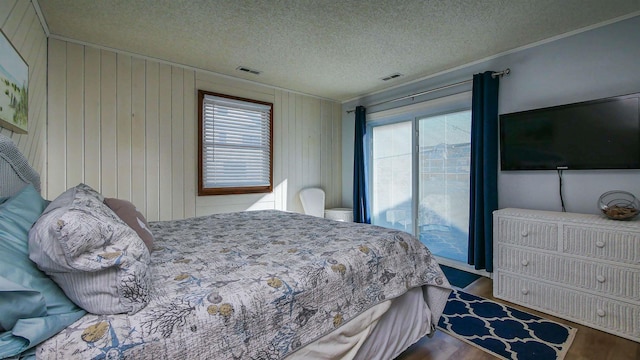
x,y
580,267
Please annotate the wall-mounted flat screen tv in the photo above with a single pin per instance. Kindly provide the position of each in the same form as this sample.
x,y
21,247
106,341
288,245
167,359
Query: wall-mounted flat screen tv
x,y
598,134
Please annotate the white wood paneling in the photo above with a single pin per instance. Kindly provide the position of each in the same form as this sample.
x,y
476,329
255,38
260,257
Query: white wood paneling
x,y
75,115
123,126
165,143
177,142
12,25
152,144
108,161
26,22
5,9
91,119
57,119
137,134
20,23
190,158
278,149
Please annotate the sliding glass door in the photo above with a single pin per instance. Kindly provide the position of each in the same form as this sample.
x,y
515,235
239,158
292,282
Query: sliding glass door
x,y
420,178
392,176
443,184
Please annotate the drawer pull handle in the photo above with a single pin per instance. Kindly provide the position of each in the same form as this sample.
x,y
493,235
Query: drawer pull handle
x,y
600,244
601,313
525,291
524,233
525,262
601,278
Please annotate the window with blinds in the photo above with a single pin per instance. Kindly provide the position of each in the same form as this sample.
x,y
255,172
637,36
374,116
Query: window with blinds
x,y
235,145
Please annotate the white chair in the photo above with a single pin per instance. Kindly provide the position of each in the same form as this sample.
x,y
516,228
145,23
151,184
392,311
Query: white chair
x,y
312,201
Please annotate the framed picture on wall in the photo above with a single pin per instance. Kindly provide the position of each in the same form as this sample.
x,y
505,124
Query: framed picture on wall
x,y
14,88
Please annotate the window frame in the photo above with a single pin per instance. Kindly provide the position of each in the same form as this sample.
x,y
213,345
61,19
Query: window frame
x,y
205,191
413,113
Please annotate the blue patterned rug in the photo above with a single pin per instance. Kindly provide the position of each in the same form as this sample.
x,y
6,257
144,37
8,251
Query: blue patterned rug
x,y
458,278
503,331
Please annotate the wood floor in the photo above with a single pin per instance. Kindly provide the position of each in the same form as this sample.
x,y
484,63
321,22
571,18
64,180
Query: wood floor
x,y
588,344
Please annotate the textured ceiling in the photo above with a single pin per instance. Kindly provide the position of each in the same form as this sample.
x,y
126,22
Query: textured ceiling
x,y
333,49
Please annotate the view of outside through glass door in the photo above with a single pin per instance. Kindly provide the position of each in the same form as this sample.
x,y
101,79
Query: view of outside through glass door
x,y
444,164
392,176
443,158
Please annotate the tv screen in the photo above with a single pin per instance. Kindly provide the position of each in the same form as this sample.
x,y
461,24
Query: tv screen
x,y
598,134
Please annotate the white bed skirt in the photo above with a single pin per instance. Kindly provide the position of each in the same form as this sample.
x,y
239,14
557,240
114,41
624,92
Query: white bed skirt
x,y
382,332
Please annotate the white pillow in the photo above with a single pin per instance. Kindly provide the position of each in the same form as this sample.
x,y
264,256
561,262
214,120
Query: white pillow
x,y
99,262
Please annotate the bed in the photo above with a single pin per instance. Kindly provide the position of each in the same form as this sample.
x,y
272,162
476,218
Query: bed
x,y
246,285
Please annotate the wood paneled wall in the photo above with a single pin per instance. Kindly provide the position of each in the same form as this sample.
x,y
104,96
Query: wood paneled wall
x,y
127,126
20,24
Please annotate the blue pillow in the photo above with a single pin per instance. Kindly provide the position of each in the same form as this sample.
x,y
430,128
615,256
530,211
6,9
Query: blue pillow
x,y
33,307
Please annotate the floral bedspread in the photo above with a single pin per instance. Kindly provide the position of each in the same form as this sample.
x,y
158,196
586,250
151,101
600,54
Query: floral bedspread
x,y
252,285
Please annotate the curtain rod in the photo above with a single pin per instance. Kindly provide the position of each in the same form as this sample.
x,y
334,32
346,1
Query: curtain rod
x,y
497,73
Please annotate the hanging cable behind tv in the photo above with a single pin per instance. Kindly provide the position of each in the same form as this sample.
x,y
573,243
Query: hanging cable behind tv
x,y
560,169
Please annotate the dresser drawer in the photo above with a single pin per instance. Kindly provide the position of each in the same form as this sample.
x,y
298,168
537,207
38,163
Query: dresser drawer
x,y
606,244
604,278
613,316
534,234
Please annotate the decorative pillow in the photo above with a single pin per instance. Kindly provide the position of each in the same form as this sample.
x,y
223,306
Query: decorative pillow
x,y
99,261
33,307
81,191
128,213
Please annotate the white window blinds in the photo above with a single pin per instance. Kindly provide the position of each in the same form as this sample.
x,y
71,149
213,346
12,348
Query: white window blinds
x,y
236,143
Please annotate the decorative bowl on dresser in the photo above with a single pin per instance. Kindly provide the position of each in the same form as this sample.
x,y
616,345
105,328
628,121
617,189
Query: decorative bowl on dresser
x,y
581,267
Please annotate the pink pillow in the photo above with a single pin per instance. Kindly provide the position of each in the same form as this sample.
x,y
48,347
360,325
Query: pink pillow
x,y
128,213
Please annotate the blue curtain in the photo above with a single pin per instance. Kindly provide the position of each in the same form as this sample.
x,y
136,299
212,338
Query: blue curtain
x,y
484,169
360,191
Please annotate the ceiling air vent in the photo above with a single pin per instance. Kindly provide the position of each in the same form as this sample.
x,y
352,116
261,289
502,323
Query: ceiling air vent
x,y
392,76
246,69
